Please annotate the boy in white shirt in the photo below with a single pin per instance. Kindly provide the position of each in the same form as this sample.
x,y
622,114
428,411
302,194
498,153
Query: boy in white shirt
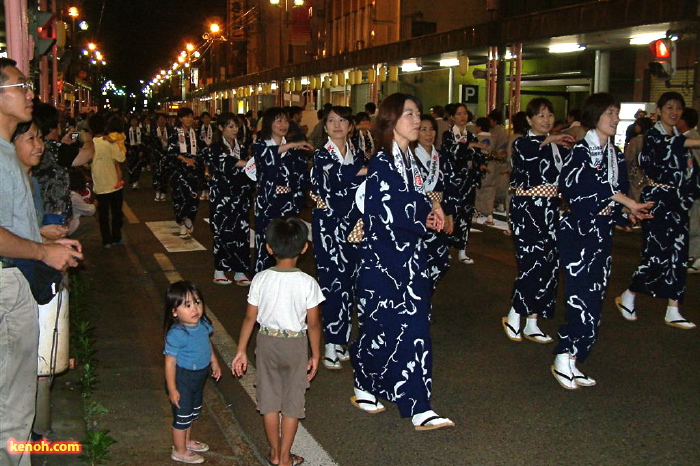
x,y
284,301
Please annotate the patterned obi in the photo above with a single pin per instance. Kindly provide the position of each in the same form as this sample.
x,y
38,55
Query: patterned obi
x,y
607,210
543,190
658,185
434,196
319,202
282,189
357,233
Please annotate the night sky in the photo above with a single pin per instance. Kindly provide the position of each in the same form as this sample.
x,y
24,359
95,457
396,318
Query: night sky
x,y
140,37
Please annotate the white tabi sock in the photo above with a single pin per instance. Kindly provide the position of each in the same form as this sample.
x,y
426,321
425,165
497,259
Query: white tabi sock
x,y
628,299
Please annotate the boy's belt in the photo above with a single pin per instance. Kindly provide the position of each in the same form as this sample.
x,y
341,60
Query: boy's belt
x,y
275,332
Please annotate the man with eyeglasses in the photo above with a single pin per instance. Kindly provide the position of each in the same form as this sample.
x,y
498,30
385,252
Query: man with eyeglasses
x,y
19,239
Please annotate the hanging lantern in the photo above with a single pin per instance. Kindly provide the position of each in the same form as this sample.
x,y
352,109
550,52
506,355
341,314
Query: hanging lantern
x,y
342,79
297,85
287,86
327,82
382,74
371,75
463,64
334,80
351,79
393,73
358,76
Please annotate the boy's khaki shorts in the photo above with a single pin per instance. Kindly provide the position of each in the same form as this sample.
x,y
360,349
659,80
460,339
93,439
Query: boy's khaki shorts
x,y
280,380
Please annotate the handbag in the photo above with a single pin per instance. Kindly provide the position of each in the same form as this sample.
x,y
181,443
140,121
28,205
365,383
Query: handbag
x,y
44,281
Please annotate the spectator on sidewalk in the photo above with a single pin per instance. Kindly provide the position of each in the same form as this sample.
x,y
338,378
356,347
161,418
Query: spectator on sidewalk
x,y
189,361
80,200
284,301
60,154
105,178
19,239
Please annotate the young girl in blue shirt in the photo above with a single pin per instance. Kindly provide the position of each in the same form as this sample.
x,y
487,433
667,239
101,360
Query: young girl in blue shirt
x,y
189,359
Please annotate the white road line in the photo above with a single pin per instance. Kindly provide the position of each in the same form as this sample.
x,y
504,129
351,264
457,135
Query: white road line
x,y
167,232
304,443
129,214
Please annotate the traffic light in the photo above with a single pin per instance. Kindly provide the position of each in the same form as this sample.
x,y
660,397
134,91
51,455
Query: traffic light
x,y
42,27
664,64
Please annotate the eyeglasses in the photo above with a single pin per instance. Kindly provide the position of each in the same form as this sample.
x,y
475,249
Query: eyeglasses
x,y
25,85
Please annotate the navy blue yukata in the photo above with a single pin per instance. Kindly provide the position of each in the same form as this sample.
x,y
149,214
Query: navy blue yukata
x,y
587,182
675,184
135,148
436,171
466,164
159,150
185,179
334,183
534,215
230,198
282,180
392,356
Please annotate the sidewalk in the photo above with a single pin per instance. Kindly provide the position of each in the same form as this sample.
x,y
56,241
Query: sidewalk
x,y
127,313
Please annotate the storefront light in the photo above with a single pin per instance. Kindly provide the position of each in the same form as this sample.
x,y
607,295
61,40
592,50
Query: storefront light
x,y
449,62
566,48
644,39
410,65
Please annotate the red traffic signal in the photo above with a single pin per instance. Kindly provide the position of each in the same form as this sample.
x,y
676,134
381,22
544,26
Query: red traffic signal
x,y
662,48
664,64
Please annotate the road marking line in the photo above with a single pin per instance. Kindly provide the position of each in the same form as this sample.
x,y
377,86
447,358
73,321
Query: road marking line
x,y
168,233
129,214
304,443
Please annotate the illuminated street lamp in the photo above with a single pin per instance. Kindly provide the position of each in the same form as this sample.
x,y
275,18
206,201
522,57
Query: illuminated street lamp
x,y
296,3
214,36
73,13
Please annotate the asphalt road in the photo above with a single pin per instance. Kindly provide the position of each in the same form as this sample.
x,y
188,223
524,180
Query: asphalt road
x,y
507,407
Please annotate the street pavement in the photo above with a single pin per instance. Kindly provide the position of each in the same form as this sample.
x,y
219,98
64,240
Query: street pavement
x,y
507,407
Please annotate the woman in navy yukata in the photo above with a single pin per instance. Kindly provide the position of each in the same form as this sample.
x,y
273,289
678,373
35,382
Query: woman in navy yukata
x,y
362,138
338,171
159,149
282,178
185,152
592,181
536,158
674,182
468,162
436,171
230,197
392,355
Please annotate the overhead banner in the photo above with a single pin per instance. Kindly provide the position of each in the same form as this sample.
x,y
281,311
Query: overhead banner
x,y
237,10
